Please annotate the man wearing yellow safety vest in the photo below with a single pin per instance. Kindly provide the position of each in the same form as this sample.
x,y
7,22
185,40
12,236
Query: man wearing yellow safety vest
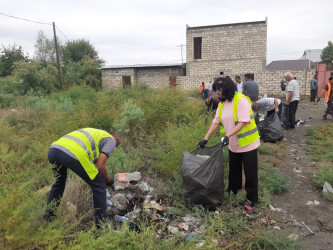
x,y
85,152
328,90
235,116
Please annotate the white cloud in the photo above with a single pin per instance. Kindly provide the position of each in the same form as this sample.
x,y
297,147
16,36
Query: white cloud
x,y
130,32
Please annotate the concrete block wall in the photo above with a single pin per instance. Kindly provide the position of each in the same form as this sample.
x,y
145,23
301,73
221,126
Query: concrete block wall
x,y
112,78
151,77
240,46
269,82
156,78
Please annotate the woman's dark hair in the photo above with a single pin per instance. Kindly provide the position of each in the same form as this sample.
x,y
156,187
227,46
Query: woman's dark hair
x,y
227,86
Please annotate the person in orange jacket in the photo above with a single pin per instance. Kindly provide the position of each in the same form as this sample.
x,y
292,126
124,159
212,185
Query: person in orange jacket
x,y
328,90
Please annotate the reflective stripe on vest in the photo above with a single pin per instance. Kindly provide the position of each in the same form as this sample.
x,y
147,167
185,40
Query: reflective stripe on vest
x,y
328,92
83,143
249,133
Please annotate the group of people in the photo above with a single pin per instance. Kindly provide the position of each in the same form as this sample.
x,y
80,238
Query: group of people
x,y
327,92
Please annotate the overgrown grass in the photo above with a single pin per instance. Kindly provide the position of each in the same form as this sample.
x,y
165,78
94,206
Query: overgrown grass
x,y
320,148
172,124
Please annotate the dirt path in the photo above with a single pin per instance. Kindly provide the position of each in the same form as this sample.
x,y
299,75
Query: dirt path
x,y
299,169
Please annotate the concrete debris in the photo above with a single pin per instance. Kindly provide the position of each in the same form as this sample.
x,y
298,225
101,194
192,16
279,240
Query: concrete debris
x,y
183,226
327,188
130,201
314,202
120,202
276,209
293,237
154,205
173,230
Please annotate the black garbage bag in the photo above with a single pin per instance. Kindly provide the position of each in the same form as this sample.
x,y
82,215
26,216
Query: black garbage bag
x,y
203,176
270,128
285,116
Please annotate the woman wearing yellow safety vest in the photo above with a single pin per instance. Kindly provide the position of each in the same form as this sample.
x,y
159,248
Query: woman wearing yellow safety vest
x,y
235,116
85,152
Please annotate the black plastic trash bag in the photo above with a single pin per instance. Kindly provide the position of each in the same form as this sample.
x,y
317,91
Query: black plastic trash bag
x,y
285,116
203,176
270,128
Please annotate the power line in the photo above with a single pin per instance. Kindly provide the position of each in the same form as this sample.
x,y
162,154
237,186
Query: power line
x,y
62,33
24,19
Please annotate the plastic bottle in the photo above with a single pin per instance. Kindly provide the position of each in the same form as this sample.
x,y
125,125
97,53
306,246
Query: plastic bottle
x,y
109,203
145,187
120,218
108,195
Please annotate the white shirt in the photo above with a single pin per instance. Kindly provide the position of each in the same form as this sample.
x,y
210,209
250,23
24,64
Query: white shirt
x,y
293,85
267,104
239,87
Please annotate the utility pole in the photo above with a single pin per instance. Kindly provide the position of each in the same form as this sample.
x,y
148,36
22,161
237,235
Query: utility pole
x,y
57,55
181,51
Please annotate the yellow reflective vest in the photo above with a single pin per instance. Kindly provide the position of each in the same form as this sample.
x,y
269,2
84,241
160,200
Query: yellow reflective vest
x,y
249,133
83,143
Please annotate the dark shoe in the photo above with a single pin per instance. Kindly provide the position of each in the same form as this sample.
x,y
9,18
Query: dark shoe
x,y
324,117
248,205
48,217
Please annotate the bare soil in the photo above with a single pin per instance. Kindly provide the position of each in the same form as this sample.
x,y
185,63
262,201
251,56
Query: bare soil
x,y
299,169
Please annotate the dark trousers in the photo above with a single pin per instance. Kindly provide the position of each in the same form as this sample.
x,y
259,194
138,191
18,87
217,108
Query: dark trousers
x,y
269,112
212,105
61,161
313,95
250,162
292,113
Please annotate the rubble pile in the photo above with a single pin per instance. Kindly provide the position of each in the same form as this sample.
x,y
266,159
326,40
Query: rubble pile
x,y
131,200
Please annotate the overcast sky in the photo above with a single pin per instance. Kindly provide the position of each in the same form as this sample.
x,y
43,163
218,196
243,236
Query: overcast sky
x,y
148,31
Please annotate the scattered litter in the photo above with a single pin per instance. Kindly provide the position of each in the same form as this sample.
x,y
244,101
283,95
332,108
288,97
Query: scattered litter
x,y
276,209
297,170
200,244
173,230
327,188
293,237
296,158
303,229
314,202
183,226
299,122
277,228
71,208
267,221
130,201
13,110
145,187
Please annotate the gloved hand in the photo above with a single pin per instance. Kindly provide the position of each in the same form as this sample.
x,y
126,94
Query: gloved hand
x,y
110,183
225,141
202,143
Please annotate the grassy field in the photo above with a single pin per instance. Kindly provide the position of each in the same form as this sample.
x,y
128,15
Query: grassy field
x,y
158,126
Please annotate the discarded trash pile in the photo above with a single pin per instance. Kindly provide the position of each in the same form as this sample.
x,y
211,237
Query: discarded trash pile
x,y
132,201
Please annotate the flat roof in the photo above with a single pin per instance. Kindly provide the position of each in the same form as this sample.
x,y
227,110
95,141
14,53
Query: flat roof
x,y
223,25
142,66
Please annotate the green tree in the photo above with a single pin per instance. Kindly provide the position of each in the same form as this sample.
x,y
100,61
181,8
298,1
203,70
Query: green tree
x,y
84,72
327,54
34,78
44,49
77,50
8,56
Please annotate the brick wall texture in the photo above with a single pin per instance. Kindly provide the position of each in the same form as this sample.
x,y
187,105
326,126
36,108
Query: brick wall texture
x,y
228,48
268,81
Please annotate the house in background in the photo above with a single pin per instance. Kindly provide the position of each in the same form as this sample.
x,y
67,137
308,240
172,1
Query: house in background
x,y
211,51
301,64
313,55
226,49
